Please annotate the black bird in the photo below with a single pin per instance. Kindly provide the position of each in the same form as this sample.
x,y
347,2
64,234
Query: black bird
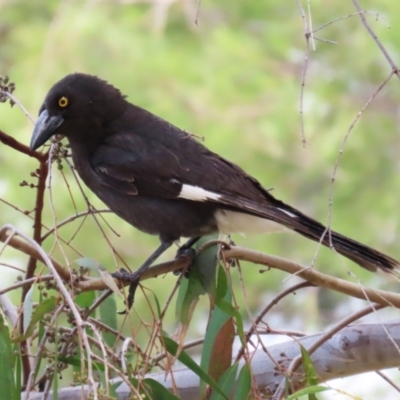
x,y
161,180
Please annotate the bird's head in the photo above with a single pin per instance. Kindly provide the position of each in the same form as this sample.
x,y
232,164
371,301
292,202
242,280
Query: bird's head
x,y
77,105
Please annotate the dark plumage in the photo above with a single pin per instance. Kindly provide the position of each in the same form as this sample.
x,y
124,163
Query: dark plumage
x,y
161,180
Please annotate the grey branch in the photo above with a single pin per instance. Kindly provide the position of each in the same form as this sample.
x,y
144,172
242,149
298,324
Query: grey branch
x,y
354,350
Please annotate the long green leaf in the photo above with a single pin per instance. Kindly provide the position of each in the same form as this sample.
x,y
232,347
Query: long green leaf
x,y
108,316
41,310
7,382
243,385
156,391
226,383
311,390
185,359
28,308
217,321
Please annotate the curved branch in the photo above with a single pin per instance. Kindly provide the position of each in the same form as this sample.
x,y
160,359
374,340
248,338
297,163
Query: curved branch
x,y
354,350
316,278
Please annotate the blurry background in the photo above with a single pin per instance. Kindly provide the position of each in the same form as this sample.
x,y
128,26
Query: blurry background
x,y
234,78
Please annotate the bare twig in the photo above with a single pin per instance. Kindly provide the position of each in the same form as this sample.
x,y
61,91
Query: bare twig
x,y
22,148
316,278
305,68
336,166
388,380
272,303
30,281
395,69
296,362
73,218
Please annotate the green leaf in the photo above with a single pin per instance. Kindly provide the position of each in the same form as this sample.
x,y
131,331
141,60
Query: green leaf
x,y
309,368
41,310
28,308
85,299
108,316
41,333
308,391
226,383
76,362
243,384
99,270
201,280
230,310
18,369
222,290
218,319
55,375
155,390
89,263
185,359
206,264
157,303
7,382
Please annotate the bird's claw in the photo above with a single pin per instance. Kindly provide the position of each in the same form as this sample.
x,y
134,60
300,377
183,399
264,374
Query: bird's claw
x,y
186,252
126,276
133,278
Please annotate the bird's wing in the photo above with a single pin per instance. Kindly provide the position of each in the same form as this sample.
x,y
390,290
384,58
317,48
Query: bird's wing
x,y
184,169
133,166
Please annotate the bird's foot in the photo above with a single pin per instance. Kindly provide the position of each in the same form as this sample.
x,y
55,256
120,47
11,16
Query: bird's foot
x,y
186,252
133,278
124,275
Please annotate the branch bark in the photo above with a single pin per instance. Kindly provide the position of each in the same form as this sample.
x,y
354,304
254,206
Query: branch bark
x,y
354,350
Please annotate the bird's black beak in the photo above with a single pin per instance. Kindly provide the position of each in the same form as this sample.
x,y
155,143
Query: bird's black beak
x,y
45,128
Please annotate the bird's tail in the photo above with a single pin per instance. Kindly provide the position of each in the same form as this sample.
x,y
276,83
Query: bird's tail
x,y
361,254
277,211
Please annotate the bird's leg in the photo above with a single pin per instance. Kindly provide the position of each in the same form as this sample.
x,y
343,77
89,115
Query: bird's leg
x,y
187,245
186,249
134,277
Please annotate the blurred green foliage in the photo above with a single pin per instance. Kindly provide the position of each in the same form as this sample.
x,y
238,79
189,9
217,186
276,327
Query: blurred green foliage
x,y
234,78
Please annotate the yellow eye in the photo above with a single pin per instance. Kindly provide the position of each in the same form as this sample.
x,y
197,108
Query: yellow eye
x,y
63,102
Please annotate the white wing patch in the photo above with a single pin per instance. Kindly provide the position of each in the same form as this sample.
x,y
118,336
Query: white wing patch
x,y
237,222
196,193
288,213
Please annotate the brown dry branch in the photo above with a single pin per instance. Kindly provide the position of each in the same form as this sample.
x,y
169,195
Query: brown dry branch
x,y
20,147
394,67
267,308
234,252
354,350
314,277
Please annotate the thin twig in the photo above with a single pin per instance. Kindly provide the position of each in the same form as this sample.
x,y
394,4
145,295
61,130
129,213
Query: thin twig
x,y
296,362
272,303
39,351
20,147
316,278
388,380
303,76
20,105
73,218
336,166
344,17
395,69
30,281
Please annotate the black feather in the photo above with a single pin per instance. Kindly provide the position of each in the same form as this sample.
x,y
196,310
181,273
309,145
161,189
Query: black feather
x,y
137,163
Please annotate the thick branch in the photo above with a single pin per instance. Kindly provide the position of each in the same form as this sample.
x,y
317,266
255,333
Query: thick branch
x,y
354,350
309,274
22,148
316,278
